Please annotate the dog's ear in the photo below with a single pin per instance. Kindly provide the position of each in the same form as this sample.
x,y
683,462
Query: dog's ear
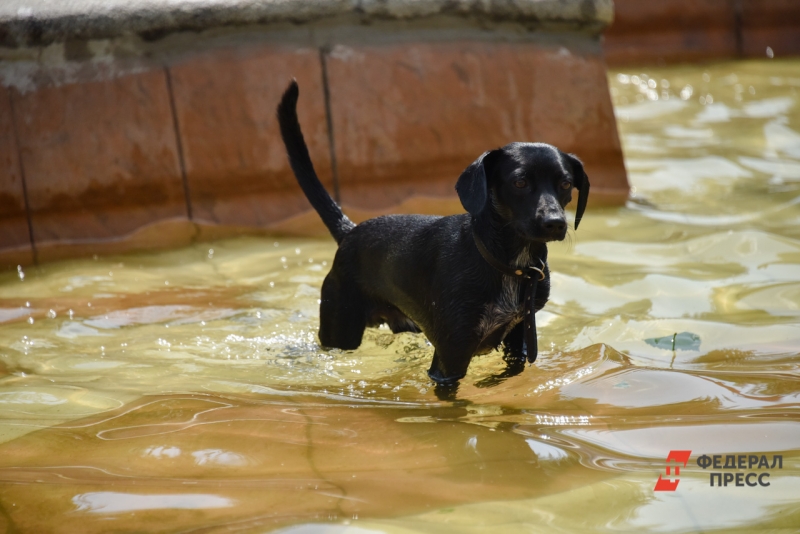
x,y
581,181
472,186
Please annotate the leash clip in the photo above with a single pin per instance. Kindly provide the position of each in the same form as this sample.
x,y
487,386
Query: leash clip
x,y
538,270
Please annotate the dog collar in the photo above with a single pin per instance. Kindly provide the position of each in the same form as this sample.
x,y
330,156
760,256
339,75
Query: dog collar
x,y
526,272
529,284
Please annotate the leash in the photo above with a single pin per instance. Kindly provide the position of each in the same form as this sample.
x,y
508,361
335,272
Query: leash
x,y
530,276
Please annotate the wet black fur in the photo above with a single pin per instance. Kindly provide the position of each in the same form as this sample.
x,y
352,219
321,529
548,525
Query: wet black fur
x,y
424,273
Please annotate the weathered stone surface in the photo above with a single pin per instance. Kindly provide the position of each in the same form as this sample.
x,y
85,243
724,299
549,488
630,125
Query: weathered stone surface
x,y
39,22
236,165
673,30
112,127
698,30
409,118
15,243
100,159
770,23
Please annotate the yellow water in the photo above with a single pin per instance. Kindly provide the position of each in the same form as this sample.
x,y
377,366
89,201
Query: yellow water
x,y
186,392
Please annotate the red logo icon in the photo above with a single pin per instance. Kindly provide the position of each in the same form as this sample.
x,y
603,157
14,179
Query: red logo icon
x,y
674,459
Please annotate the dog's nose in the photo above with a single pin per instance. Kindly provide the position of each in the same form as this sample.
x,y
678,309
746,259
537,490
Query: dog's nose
x,y
555,224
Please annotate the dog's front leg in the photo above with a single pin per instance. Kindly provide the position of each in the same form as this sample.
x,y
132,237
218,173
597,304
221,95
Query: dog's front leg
x,y
448,367
450,362
514,354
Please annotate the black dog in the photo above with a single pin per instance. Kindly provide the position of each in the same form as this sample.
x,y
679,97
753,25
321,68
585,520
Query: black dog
x,y
469,282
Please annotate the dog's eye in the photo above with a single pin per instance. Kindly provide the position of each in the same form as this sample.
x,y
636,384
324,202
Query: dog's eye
x,y
566,184
520,183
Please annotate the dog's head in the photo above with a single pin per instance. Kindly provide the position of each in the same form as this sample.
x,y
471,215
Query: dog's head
x,y
528,185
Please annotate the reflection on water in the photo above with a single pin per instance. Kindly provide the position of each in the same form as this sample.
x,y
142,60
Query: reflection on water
x,y
108,502
186,390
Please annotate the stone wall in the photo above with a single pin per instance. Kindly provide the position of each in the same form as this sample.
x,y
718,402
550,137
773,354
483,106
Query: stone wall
x,y
672,31
134,128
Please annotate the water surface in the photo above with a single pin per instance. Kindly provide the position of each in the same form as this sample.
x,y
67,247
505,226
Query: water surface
x,y
186,391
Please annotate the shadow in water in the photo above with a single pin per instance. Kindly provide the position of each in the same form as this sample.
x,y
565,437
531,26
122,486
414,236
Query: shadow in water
x,y
514,366
446,392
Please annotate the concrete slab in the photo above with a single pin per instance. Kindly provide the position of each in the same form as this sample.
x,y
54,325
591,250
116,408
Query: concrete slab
x,y
41,22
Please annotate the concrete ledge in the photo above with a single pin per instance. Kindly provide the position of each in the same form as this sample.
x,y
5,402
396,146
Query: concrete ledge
x,y
41,22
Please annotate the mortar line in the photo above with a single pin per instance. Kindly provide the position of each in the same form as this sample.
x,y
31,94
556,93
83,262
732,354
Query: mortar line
x,y
737,27
178,143
23,179
329,120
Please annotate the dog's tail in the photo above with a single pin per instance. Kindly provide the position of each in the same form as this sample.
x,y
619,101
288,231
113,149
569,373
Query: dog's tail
x,y
337,222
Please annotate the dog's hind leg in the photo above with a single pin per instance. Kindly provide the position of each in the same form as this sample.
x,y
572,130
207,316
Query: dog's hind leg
x,y
342,316
400,323
397,321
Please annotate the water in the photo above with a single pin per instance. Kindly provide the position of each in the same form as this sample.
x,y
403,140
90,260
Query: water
x,y
185,391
